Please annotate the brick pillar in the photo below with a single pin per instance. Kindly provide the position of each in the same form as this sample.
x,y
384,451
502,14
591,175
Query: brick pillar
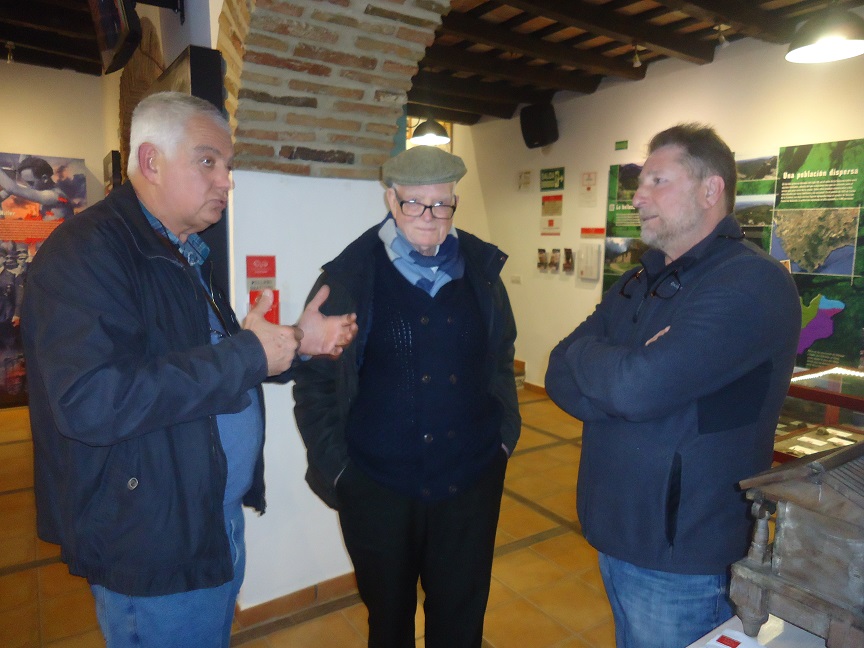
x,y
315,87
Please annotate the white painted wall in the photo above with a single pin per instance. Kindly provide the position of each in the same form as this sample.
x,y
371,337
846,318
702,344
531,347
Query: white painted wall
x,y
60,113
305,222
755,99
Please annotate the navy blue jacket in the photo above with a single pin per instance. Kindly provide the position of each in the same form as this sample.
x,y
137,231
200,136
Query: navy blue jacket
x,y
671,428
324,391
124,389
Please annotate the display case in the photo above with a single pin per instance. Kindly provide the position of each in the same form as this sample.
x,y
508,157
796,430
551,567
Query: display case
x,y
823,411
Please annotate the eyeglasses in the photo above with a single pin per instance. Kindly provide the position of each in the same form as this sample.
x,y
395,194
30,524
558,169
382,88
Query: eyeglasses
x,y
415,209
666,289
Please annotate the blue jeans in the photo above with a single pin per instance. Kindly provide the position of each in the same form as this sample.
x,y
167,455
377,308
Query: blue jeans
x,y
197,619
655,609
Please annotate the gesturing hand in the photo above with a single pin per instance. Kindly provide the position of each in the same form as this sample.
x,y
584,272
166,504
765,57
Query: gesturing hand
x,y
280,342
325,335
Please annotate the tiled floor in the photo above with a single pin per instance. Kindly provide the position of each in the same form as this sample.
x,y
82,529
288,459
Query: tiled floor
x,y
546,590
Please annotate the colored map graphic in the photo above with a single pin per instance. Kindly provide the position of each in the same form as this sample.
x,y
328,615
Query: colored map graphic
x,y
816,320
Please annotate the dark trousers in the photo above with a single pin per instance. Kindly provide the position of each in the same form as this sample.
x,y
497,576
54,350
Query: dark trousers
x,y
394,540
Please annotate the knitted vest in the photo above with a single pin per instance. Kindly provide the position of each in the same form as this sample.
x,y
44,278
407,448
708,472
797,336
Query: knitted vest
x,y
423,424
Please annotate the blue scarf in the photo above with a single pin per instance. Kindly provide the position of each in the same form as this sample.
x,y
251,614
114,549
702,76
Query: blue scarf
x,y
429,273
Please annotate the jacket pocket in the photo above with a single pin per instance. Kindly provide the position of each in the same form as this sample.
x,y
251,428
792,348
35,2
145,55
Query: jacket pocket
x,y
673,499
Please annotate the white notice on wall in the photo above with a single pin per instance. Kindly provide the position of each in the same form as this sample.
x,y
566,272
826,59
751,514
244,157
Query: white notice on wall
x,y
588,189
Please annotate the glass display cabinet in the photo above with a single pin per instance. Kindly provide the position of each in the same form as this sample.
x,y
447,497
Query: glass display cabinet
x,y
823,411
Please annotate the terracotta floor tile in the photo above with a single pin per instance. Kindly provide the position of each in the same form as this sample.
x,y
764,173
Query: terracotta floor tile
x,y
499,594
524,463
55,580
93,639
525,570
601,636
257,643
532,439
537,486
521,625
358,617
14,424
20,627
548,416
570,551
593,578
18,512
520,521
565,454
16,551
17,589
565,474
562,503
16,465
69,614
572,603
575,642
330,630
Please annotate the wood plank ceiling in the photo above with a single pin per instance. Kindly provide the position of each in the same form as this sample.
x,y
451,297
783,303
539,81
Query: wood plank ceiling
x,y
489,56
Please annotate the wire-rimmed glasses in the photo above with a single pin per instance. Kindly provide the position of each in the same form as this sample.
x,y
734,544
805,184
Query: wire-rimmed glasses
x,y
666,289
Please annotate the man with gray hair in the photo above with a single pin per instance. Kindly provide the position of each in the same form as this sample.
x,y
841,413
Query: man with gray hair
x,y
145,397
408,433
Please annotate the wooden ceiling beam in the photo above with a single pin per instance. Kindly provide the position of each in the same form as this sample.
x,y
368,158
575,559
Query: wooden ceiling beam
x,y
742,16
439,99
532,75
24,54
52,20
486,33
474,89
599,20
54,44
441,114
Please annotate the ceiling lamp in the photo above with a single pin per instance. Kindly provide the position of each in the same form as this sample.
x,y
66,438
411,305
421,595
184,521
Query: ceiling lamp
x,y
833,36
430,133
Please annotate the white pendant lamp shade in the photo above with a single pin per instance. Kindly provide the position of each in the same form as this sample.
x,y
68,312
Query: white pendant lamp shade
x,y
835,36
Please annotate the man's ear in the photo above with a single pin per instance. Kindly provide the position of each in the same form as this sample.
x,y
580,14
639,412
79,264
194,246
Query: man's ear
x,y
148,161
713,187
390,197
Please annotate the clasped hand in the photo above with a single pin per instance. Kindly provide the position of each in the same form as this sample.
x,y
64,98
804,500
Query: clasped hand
x,y
315,333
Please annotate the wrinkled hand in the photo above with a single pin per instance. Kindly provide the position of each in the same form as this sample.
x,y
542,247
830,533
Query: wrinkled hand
x,y
325,335
658,335
280,342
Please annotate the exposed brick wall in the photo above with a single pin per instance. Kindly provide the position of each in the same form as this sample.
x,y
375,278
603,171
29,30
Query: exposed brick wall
x,y
315,87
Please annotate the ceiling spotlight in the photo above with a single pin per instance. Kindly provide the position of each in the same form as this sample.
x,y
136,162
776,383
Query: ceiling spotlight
x,y
721,36
832,36
637,62
10,46
430,133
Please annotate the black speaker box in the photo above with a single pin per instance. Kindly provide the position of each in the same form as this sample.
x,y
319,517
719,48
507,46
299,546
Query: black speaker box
x,y
539,126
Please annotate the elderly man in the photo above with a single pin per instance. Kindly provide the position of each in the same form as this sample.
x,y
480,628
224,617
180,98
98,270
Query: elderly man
x,y
145,398
679,376
408,433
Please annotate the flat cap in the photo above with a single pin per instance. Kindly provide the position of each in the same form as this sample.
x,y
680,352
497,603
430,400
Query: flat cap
x,y
423,165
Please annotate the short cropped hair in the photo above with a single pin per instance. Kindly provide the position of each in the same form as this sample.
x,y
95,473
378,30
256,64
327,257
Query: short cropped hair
x,y
705,154
161,120
37,165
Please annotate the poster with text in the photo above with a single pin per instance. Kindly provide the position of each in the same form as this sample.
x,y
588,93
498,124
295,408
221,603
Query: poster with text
x,y
817,229
37,193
